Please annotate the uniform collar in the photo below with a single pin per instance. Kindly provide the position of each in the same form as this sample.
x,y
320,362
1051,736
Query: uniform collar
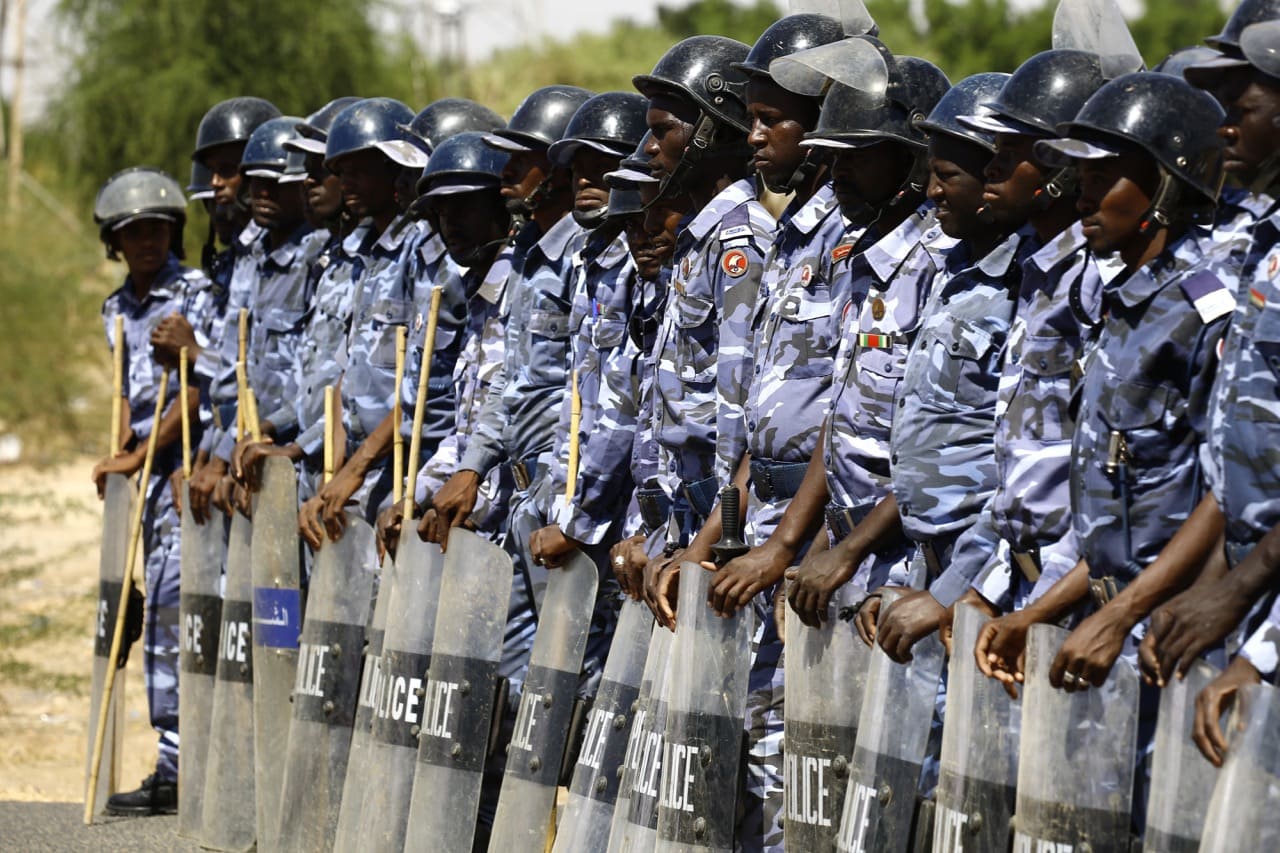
x,y
1165,269
813,212
997,263
737,193
887,254
354,242
606,254
248,235
1059,248
432,246
161,288
399,230
284,254
552,245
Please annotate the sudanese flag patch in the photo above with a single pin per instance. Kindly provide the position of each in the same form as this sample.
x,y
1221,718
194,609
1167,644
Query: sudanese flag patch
x,y
735,263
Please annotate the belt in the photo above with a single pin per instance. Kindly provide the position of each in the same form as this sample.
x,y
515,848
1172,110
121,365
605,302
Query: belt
x,y
1103,590
777,481
841,520
701,495
1236,552
655,507
526,472
937,552
1028,562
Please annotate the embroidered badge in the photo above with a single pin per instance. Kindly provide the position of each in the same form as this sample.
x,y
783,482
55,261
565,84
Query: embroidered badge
x,y
839,253
806,273
735,263
877,308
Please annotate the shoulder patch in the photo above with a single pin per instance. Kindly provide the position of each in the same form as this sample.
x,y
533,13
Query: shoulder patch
x,y
735,263
1210,296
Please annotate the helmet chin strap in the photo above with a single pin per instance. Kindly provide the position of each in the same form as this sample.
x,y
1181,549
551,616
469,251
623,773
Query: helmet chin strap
x,y
700,142
910,194
1162,211
803,174
1064,182
477,253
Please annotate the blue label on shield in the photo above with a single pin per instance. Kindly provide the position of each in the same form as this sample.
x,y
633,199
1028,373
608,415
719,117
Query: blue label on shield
x,y
277,617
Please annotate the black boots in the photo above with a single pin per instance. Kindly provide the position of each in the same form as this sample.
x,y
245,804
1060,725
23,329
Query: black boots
x,y
154,796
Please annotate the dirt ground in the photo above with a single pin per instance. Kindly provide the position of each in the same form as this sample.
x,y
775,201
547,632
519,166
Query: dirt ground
x,y
50,529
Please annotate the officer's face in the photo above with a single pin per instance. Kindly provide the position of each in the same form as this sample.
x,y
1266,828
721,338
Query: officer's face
x,y
955,185
1013,179
671,120
661,220
589,189
871,175
368,181
323,189
468,221
1115,199
1252,129
779,120
224,162
524,171
407,187
144,243
275,205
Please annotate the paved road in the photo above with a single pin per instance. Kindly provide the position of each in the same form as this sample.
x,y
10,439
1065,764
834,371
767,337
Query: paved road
x,y
41,827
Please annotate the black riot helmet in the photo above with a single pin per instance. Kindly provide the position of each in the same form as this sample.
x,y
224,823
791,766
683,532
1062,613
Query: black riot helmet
x,y
1185,57
139,193
1045,91
789,35
1165,117
201,186
314,129
371,123
613,122
265,154
449,116
232,120
540,119
703,69
968,98
462,163
1248,12
633,170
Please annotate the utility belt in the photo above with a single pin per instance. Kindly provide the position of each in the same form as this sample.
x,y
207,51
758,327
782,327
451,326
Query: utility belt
x,y
526,472
841,520
655,507
776,481
937,552
701,495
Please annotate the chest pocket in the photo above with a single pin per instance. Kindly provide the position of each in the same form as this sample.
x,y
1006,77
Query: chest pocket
x,y
546,349
385,316
608,333
806,336
1145,414
1041,403
280,332
959,374
697,339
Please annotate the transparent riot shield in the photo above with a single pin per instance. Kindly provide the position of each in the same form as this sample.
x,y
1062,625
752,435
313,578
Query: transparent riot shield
x,y
461,685
200,609
593,793
325,689
397,720
711,657
979,772
277,624
826,674
1182,778
893,736
546,707
1244,813
117,512
635,815
230,813
355,787
1075,779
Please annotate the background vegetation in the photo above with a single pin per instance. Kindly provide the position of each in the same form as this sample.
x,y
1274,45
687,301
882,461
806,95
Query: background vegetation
x,y
147,70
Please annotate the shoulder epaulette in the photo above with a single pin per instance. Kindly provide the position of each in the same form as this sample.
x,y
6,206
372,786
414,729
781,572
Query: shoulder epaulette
x,y
1209,295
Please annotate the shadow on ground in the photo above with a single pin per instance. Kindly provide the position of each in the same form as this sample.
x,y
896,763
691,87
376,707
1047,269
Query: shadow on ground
x,y
40,827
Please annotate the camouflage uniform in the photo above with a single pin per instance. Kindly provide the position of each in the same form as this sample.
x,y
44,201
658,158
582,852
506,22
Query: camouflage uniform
x,y
702,349
628,406
899,270
186,292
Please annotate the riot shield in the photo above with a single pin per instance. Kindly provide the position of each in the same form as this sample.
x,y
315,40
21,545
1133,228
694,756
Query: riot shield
x,y
1182,778
397,719
593,793
635,815
1245,809
826,674
200,608
1075,784
355,785
324,692
117,512
230,815
711,657
546,706
979,772
893,736
277,623
461,684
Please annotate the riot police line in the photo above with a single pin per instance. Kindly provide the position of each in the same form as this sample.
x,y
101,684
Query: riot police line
x,y
497,478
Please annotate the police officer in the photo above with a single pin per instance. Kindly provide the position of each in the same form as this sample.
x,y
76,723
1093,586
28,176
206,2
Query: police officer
x,y
140,213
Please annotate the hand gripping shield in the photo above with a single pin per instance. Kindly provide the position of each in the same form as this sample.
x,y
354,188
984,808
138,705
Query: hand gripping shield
x,y
546,707
1182,779
594,791
826,674
200,609
893,735
412,591
277,623
325,689
230,813
975,794
355,785
701,756
1075,780
635,815
460,691
117,512
1245,808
